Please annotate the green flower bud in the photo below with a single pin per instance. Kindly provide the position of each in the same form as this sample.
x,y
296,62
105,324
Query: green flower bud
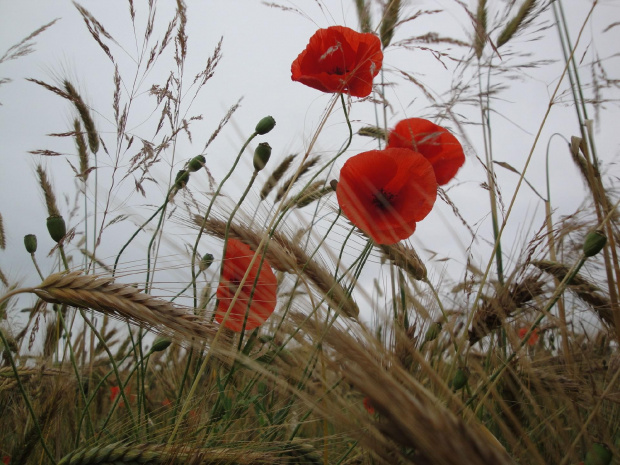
x,y
56,227
206,262
460,379
599,454
433,331
265,125
30,241
261,155
196,163
594,243
160,344
182,179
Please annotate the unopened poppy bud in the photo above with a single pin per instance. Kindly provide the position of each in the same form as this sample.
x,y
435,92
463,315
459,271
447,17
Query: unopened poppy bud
x,y
460,379
206,262
196,163
599,454
594,243
182,179
265,125
30,241
261,155
433,331
160,344
56,227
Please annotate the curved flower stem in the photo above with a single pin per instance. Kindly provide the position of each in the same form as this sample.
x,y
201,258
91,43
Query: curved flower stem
x,y
206,217
114,367
33,416
36,265
135,234
551,241
74,365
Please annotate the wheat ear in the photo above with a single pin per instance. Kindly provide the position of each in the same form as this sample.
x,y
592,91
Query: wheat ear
x,y
124,301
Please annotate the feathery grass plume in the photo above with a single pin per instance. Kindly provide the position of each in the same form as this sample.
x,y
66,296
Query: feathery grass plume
x,y
121,453
491,314
80,144
276,176
2,236
388,22
584,289
363,14
515,23
315,191
289,182
480,28
4,281
373,131
284,255
48,192
123,301
405,258
84,112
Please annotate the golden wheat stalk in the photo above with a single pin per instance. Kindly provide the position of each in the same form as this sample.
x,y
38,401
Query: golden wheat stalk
x,y
406,259
284,255
410,415
584,289
122,453
480,28
276,176
123,301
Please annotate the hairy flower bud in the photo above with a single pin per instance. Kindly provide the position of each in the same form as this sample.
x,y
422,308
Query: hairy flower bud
x,y
160,344
594,243
205,262
56,227
182,179
433,331
460,379
196,163
265,125
599,454
261,155
30,241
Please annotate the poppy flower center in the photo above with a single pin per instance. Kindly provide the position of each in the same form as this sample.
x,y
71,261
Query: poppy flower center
x,y
383,200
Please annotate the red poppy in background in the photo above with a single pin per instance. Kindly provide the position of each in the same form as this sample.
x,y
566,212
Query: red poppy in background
x,y
385,192
368,405
533,337
438,145
339,59
6,459
236,263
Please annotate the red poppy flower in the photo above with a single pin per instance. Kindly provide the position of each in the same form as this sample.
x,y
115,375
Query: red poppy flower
x,y
6,459
368,405
385,192
339,59
438,145
236,262
533,337
115,392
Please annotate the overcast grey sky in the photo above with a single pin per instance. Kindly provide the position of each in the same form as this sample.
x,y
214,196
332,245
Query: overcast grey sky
x,y
258,47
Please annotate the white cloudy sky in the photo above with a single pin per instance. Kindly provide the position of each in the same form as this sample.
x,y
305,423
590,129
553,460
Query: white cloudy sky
x,y
258,47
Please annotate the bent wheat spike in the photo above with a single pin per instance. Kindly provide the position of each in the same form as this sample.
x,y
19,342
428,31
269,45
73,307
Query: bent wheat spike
x,y
287,257
124,301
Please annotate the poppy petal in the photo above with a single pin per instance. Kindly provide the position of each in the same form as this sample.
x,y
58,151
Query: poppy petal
x,y
434,142
259,294
385,192
339,59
